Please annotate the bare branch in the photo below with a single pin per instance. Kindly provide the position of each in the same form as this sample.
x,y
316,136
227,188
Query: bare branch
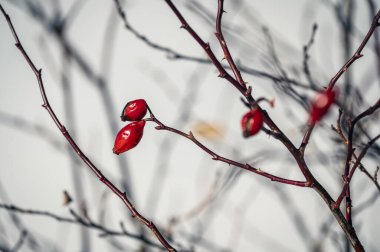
x,y
86,160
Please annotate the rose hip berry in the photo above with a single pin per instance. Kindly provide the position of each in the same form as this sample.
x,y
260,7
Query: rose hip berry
x,y
321,105
134,110
128,137
252,122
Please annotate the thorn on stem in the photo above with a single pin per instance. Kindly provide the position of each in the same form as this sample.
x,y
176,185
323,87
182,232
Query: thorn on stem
x,y
63,130
248,92
359,56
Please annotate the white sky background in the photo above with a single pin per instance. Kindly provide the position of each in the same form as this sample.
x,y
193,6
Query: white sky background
x,y
34,173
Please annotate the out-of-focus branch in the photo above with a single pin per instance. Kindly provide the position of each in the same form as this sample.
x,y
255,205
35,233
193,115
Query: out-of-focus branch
x,y
24,126
376,37
306,56
357,55
20,241
78,220
175,55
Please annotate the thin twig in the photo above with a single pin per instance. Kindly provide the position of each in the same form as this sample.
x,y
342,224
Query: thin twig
x,y
358,54
347,179
58,30
350,151
306,56
78,220
361,167
223,44
20,241
206,47
344,68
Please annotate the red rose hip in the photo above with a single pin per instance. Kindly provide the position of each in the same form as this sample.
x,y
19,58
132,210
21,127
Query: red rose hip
x,y
321,105
134,110
128,137
252,122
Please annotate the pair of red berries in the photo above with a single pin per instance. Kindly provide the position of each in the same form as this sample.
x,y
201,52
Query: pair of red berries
x,y
253,120
130,135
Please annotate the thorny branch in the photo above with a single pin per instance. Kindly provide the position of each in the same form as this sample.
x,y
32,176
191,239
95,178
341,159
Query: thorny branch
x,y
357,55
217,157
176,55
350,153
339,131
347,179
223,44
237,82
298,154
86,160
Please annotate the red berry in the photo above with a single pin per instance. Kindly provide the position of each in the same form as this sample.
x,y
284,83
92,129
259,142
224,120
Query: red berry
x,y
128,137
252,122
134,110
321,105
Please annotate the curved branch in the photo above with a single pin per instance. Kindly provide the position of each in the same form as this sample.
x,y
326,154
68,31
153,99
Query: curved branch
x,y
217,157
75,147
